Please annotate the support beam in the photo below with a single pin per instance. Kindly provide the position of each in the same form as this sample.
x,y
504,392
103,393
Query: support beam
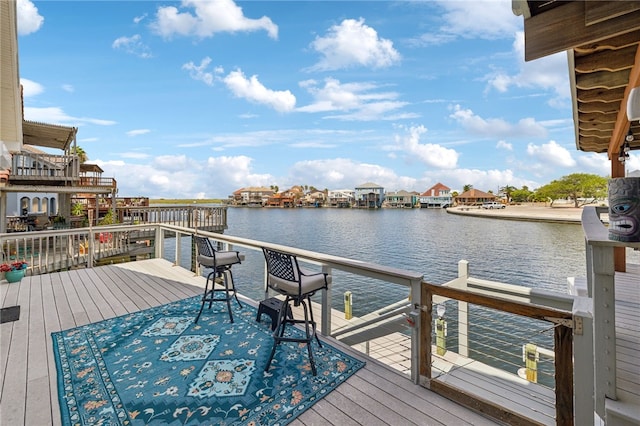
x,y
619,253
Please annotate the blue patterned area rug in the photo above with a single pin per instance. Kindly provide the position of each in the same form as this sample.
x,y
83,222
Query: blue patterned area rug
x,y
158,367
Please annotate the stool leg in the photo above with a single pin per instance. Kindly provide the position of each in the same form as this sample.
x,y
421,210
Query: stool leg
x,y
309,335
204,296
233,287
313,322
227,295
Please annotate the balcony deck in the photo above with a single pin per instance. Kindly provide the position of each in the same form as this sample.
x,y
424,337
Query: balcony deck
x,y
375,395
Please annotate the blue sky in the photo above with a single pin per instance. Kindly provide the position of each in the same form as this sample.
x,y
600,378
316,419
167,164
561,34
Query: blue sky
x,y
196,99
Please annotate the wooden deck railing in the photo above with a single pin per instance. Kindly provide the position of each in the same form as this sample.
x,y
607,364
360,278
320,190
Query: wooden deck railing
x,y
536,304
204,217
44,167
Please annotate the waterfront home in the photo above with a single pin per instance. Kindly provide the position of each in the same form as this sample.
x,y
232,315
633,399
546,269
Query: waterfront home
x,y
438,196
252,196
313,199
474,197
401,199
369,196
341,197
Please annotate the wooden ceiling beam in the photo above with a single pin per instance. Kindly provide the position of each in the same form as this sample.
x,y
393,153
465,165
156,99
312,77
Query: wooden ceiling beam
x,y
617,42
578,23
603,79
622,123
600,95
598,118
606,60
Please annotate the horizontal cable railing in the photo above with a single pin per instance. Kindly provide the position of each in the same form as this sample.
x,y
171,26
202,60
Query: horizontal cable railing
x,y
489,332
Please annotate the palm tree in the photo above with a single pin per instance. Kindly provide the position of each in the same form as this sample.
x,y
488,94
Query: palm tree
x,y
82,155
507,190
467,187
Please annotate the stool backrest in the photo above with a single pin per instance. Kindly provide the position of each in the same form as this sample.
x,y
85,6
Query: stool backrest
x,y
204,246
282,265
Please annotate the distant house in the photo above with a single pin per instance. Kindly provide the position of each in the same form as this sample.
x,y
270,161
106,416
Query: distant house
x,y
341,198
313,199
369,196
474,197
401,199
438,196
289,198
252,196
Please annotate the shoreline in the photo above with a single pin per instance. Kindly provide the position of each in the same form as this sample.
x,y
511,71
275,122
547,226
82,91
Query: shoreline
x,y
571,215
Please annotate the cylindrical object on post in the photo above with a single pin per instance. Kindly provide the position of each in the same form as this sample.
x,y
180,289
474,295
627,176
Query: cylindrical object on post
x,y
624,209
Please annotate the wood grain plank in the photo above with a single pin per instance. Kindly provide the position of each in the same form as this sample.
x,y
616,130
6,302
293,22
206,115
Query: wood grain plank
x,y
14,390
38,404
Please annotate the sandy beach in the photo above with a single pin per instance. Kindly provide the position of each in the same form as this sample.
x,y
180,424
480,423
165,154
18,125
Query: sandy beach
x,y
556,214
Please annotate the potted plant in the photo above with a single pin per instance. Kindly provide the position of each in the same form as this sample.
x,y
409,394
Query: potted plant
x,y
14,271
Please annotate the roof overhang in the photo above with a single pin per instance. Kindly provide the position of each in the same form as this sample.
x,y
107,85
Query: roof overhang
x,y
48,135
602,40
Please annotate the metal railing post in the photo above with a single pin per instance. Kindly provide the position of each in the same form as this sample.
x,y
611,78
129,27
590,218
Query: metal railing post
x,y
325,323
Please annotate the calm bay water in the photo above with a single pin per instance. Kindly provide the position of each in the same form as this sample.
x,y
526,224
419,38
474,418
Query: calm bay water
x,y
430,242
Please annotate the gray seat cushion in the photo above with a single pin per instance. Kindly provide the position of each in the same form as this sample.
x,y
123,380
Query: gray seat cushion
x,y
223,258
308,284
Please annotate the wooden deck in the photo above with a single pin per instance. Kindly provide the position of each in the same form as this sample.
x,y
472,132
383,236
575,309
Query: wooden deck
x,y
375,395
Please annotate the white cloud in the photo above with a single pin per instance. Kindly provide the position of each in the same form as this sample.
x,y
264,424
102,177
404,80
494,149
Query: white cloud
x,y
504,145
496,127
234,172
30,88
198,72
355,101
138,19
137,132
432,155
68,88
463,19
595,163
29,20
133,45
352,43
207,18
548,73
152,181
254,91
551,154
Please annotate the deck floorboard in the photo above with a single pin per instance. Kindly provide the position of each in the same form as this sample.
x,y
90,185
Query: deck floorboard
x,y
375,395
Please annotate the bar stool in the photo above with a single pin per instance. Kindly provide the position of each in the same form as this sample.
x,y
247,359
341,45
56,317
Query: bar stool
x,y
285,276
220,263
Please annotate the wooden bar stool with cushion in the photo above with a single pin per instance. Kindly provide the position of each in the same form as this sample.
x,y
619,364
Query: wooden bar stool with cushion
x,y
220,263
285,276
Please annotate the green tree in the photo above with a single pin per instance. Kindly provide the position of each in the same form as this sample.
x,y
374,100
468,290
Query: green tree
x,y
575,186
521,195
467,187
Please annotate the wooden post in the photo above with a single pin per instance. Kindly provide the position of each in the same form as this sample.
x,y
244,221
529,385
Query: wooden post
x,y
564,375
